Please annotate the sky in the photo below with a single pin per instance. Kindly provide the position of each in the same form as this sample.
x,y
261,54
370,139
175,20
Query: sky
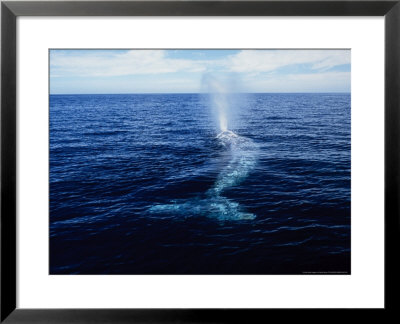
x,y
185,71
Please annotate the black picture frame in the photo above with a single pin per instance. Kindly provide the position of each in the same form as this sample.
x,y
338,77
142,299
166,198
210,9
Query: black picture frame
x,y
10,10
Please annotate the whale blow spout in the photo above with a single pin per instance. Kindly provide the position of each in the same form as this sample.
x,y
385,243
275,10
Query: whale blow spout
x,y
221,105
220,101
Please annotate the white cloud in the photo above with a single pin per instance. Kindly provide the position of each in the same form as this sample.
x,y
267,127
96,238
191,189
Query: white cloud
x,y
95,63
316,82
150,70
102,63
269,60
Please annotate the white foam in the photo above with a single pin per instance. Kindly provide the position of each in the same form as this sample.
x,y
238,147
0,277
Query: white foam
x,y
243,160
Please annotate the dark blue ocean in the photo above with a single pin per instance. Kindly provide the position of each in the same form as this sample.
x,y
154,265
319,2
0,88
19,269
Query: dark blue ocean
x,y
148,184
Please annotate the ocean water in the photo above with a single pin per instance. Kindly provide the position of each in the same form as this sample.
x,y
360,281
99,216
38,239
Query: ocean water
x,y
153,184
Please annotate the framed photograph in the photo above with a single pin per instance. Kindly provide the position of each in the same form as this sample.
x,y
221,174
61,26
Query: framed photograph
x,y
198,161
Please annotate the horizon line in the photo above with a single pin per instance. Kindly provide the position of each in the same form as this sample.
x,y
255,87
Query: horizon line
x,y
205,93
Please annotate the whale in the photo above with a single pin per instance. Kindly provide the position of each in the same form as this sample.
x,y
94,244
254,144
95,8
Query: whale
x,y
214,203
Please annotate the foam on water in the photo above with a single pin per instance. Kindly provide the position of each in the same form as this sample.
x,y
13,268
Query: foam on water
x,y
243,152
242,161
216,207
